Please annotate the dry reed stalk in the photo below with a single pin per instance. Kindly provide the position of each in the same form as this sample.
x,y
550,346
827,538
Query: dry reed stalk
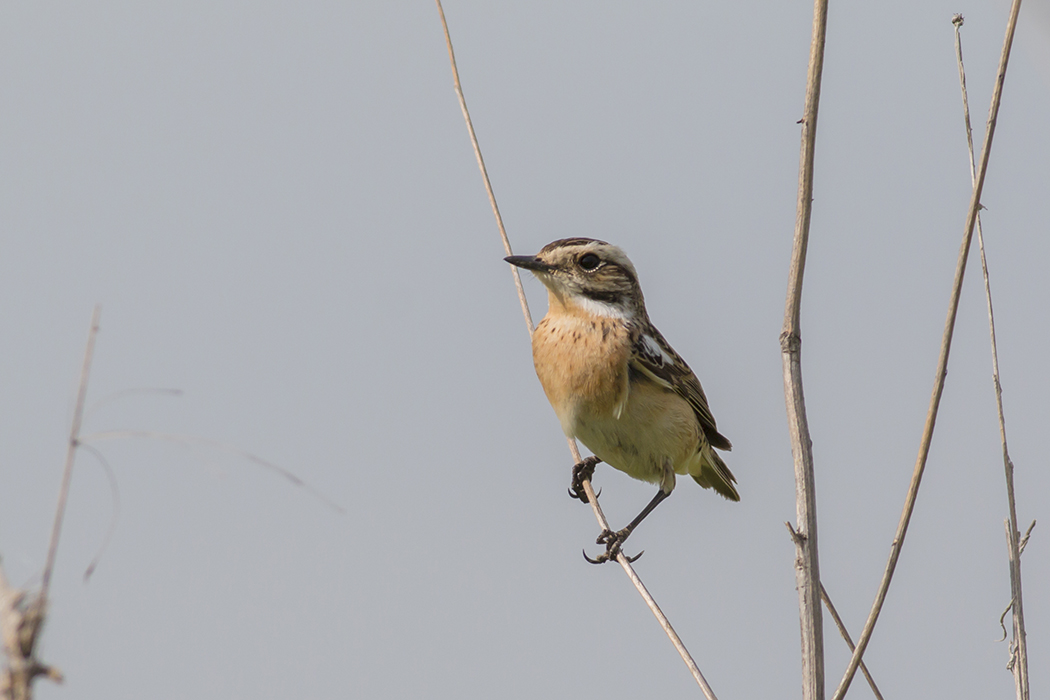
x,y
592,498
942,363
807,566
1019,647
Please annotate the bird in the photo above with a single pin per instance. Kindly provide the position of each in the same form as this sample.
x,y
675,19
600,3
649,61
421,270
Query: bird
x,y
615,384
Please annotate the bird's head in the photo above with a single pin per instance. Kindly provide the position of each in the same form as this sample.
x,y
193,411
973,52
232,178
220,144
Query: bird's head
x,y
588,274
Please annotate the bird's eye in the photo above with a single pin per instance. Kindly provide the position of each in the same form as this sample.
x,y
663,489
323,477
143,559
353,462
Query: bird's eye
x,y
590,261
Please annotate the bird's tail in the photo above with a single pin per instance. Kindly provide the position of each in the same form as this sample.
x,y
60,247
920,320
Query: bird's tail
x,y
714,474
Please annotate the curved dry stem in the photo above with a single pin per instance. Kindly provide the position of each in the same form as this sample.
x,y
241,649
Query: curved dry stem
x,y
942,363
114,492
130,392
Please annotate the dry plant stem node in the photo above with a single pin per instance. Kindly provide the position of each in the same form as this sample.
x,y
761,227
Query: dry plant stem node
x,y
942,363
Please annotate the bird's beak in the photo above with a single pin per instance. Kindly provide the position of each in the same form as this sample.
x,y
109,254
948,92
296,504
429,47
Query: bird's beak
x,y
529,262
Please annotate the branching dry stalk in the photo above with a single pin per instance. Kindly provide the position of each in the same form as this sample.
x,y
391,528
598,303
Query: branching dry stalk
x,y
807,567
842,627
849,641
20,624
942,363
621,558
22,618
1019,645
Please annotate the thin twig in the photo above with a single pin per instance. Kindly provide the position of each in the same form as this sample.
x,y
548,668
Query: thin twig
x,y
1020,669
807,567
114,491
849,641
942,363
623,561
129,392
484,171
591,497
217,445
1003,617
1024,540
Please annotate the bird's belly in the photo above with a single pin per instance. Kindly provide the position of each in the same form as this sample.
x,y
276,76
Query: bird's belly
x,y
645,430
655,436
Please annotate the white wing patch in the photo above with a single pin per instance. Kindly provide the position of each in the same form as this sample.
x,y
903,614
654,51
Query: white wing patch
x,y
656,354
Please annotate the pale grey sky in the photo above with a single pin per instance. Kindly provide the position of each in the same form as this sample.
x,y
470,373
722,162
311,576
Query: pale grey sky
x,y
277,206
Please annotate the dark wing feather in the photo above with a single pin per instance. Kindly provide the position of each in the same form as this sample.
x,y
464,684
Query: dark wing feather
x,y
654,357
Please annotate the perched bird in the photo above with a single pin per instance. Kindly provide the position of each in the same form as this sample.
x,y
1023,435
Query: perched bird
x,y
613,380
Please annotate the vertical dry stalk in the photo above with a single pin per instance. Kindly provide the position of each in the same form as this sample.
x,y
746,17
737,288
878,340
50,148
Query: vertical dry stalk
x,y
942,363
1019,647
807,568
598,514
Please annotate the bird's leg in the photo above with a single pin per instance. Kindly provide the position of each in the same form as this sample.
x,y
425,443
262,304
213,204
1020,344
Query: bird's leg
x,y
581,472
614,540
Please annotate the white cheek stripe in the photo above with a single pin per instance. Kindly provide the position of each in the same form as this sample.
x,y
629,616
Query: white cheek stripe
x,y
600,308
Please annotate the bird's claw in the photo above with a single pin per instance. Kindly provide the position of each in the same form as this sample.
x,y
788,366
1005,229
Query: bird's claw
x,y
612,541
583,495
608,556
583,471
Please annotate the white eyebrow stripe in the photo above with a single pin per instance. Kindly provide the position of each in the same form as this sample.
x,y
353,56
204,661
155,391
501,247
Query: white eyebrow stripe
x,y
654,349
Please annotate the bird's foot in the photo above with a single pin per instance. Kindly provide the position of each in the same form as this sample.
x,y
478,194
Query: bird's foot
x,y
584,471
612,541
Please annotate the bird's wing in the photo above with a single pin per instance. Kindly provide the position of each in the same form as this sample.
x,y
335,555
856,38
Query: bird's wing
x,y
655,358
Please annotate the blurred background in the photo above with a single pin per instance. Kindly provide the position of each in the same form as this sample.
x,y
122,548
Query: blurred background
x,y
277,207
